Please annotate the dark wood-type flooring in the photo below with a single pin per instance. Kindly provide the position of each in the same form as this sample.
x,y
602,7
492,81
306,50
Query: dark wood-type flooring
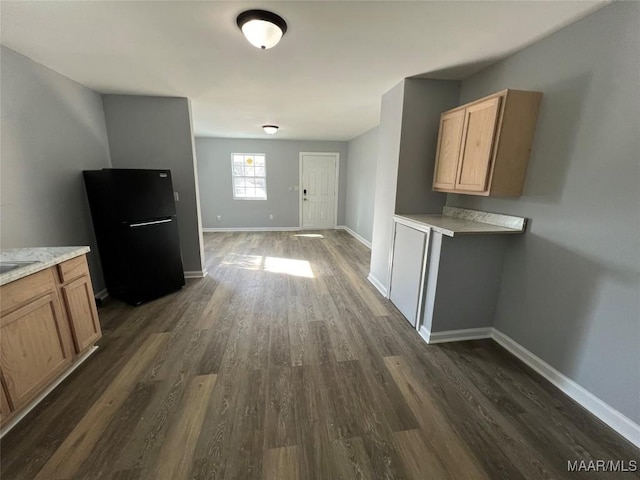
x,y
285,363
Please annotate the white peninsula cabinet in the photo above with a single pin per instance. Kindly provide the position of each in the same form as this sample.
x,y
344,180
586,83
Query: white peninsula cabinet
x,y
407,275
446,270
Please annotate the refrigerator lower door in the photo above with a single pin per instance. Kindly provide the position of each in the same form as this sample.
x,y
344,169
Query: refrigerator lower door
x,y
154,261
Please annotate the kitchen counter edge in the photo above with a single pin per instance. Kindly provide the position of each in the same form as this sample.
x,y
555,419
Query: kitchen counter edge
x,y
452,226
45,257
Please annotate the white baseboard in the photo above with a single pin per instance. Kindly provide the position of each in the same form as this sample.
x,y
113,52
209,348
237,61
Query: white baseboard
x,y
102,295
605,412
455,335
195,274
609,415
252,229
358,237
376,283
33,403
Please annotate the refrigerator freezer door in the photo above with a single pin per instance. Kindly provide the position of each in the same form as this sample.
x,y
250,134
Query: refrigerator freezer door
x,y
142,195
154,260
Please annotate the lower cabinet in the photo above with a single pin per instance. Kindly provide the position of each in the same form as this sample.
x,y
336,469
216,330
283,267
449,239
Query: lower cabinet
x,y
46,320
407,272
442,283
35,348
462,282
5,408
77,297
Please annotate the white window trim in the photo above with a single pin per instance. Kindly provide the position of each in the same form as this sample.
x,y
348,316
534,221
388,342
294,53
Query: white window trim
x,y
233,187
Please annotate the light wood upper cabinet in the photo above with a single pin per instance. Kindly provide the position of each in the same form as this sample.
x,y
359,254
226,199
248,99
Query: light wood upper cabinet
x,y
480,122
449,149
487,144
36,345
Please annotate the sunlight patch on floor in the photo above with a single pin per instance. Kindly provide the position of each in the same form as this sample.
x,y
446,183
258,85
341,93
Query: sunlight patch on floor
x,y
298,268
287,266
309,235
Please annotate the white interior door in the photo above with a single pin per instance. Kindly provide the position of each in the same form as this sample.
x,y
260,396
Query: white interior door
x,y
318,189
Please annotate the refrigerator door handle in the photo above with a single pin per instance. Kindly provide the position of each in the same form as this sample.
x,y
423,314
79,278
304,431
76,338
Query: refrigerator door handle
x,y
155,222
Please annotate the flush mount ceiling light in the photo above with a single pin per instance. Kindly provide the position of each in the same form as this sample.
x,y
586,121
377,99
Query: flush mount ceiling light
x,y
270,129
263,29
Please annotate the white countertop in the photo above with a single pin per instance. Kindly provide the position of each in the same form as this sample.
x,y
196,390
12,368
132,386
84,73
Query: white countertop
x,y
44,257
458,221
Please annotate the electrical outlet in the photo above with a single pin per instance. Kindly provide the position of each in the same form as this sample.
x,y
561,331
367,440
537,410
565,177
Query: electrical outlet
x,y
176,197
271,216
219,218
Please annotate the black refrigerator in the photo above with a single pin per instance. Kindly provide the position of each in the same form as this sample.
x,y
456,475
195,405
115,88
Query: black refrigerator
x,y
134,218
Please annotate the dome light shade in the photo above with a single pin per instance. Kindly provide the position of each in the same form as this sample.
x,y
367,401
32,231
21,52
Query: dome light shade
x,y
270,129
261,28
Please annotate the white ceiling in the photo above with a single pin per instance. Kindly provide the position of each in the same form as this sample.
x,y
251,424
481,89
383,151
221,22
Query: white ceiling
x,y
323,81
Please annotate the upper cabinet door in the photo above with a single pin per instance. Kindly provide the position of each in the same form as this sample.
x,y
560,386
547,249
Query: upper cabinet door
x,y
448,152
477,145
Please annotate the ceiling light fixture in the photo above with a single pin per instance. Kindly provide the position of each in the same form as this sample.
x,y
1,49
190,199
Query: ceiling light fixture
x,y
261,28
270,129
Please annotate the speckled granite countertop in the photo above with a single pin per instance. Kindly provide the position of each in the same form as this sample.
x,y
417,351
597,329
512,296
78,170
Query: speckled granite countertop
x,y
460,221
43,258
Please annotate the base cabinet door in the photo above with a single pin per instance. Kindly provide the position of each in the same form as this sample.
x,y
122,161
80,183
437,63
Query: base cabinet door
x,y
81,310
35,343
407,271
5,409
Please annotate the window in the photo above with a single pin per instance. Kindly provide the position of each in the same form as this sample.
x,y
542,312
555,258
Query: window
x,y
249,176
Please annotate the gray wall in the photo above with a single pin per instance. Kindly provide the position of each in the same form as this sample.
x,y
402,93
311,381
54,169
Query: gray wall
x,y
407,139
52,129
424,101
156,132
362,152
571,285
283,165
386,175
